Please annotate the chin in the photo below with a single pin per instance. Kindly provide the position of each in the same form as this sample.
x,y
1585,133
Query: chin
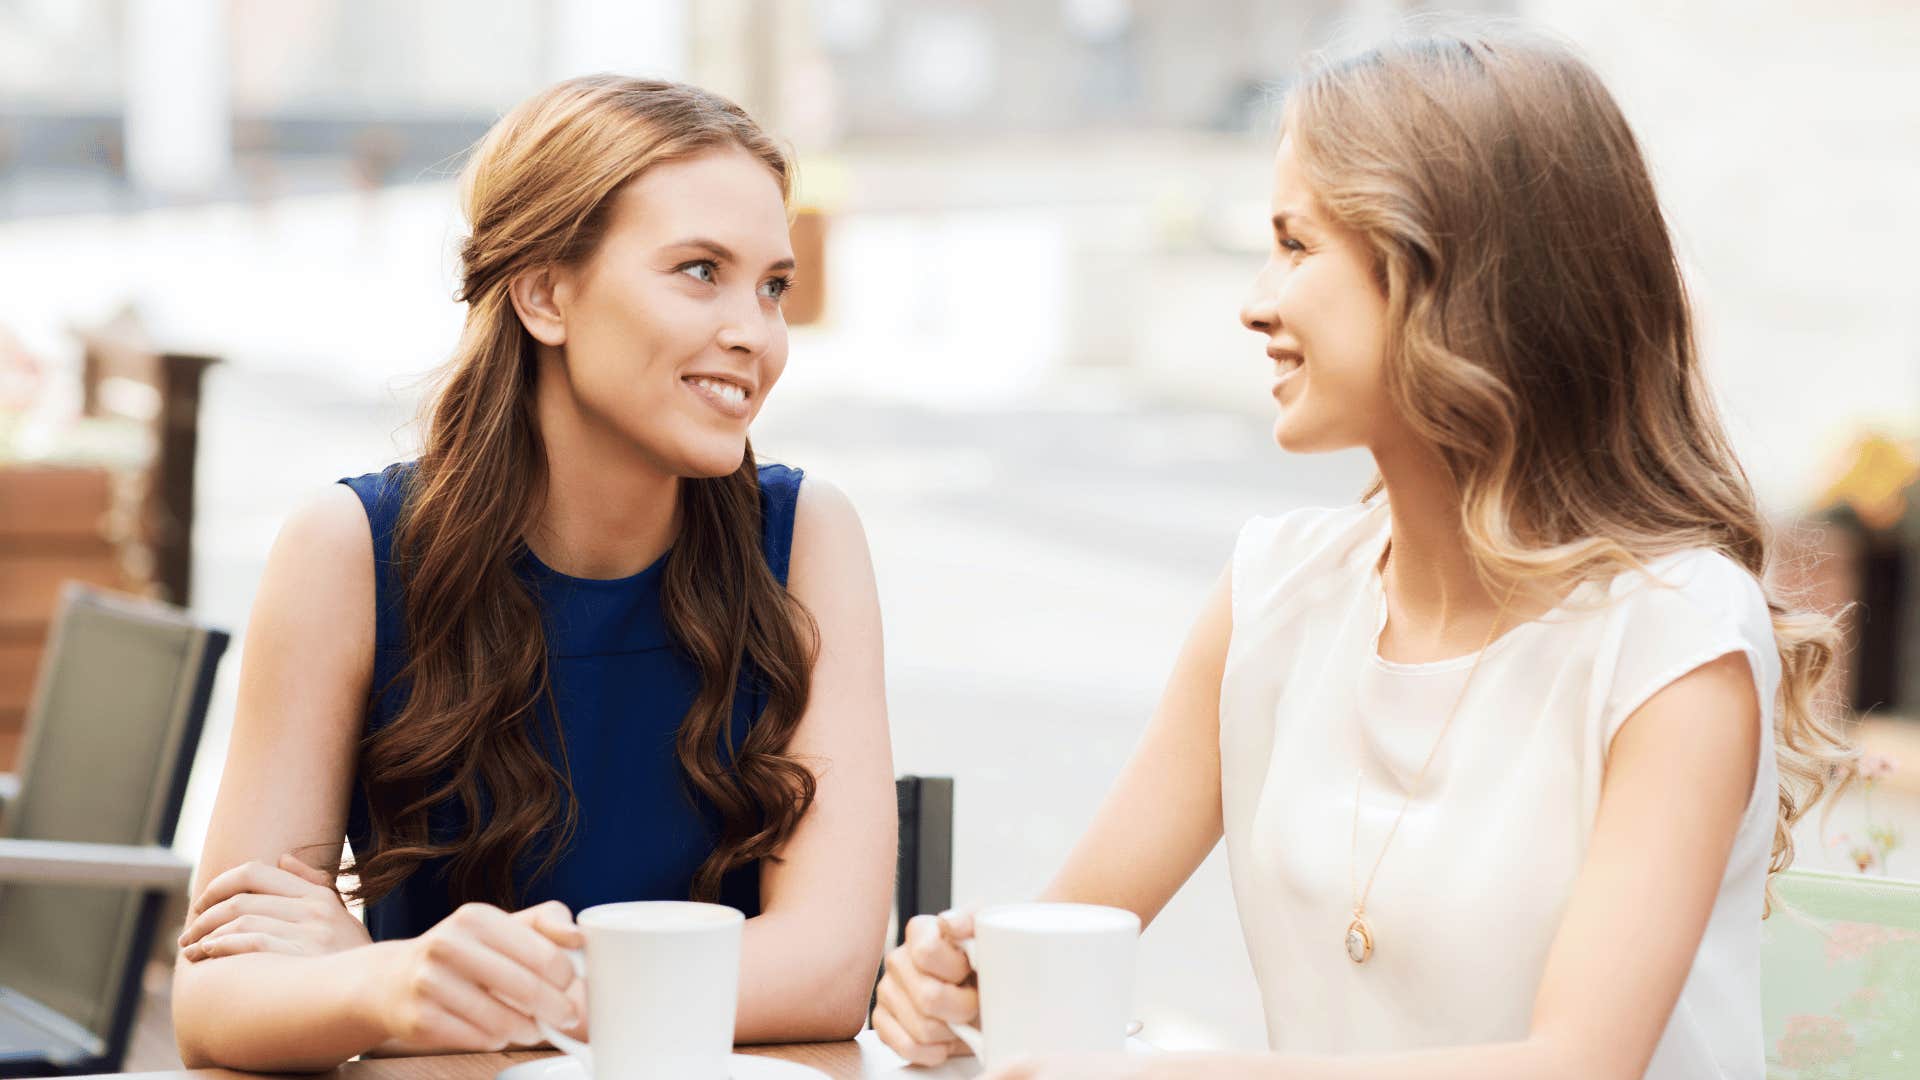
x,y
1297,438
710,462
1287,436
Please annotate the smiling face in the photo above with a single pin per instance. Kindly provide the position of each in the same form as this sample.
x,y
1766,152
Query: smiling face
x,y
1324,315
668,339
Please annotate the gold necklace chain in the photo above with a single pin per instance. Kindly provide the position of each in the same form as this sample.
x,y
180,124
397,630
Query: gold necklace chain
x,y
1359,938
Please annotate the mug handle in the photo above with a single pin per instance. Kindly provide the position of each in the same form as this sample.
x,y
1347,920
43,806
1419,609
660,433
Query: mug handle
x,y
970,1033
573,1047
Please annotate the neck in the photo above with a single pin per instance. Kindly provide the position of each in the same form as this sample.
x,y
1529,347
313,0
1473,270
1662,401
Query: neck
x,y
1437,606
1429,571
608,511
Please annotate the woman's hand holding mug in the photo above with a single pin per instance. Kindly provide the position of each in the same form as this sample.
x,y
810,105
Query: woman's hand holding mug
x,y
927,986
1046,980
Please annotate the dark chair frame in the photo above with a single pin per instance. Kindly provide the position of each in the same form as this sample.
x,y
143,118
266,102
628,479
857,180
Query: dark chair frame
x,y
923,880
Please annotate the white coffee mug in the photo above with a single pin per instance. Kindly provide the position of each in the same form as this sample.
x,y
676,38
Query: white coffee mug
x,y
1054,979
662,980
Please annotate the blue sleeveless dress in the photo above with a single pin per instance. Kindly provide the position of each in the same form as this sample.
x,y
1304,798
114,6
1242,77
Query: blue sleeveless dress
x,y
621,688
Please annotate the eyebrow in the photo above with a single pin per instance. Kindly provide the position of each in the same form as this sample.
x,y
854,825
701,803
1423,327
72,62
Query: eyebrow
x,y
1281,219
723,253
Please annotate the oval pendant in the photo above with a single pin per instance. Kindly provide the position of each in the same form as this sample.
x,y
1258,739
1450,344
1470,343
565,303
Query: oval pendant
x,y
1359,940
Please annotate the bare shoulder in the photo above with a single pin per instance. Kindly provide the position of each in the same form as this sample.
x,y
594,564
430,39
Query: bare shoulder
x,y
331,524
319,581
831,565
826,527
823,509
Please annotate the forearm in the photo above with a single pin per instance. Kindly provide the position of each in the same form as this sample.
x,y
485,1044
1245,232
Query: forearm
x,y
803,982
271,1012
1138,873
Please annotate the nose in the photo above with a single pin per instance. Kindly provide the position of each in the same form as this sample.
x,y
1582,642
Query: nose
x,y
1258,313
745,329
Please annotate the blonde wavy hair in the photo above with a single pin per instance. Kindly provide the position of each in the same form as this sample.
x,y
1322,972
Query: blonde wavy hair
x,y
1539,332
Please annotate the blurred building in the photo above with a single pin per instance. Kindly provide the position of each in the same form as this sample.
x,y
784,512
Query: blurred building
x,y
128,103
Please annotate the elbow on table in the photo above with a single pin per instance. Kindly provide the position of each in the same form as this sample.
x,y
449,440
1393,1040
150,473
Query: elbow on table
x,y
838,1011
203,1026
831,1006
188,1040
844,1019
195,1055
828,1022
844,1004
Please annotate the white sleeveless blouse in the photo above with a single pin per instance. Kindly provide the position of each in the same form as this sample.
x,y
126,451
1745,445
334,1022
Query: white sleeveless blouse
x,y
1469,897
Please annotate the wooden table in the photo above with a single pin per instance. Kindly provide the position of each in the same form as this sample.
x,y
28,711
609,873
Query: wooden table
x,y
860,1059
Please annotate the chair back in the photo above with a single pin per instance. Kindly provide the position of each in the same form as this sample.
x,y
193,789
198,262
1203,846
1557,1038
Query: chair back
x,y
1840,977
111,734
923,878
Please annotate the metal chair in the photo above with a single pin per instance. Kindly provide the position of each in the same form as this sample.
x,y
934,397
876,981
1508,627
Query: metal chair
x,y
1840,977
85,856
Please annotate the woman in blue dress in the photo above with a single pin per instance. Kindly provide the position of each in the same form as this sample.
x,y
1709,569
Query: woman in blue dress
x,y
584,649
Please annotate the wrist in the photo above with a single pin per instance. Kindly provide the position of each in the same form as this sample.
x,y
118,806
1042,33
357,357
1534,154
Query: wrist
x,y
362,975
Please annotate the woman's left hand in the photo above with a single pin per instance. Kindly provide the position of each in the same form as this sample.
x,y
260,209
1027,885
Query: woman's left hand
x,y
290,908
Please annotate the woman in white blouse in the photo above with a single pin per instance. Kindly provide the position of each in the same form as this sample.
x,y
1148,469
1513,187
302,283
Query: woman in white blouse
x,y
1503,754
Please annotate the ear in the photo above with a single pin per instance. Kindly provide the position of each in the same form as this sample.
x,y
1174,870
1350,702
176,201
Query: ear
x,y
539,298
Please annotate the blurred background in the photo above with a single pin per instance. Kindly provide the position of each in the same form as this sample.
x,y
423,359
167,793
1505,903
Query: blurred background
x,y
226,266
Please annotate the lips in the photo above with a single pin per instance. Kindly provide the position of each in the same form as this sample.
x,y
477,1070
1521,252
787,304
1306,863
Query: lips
x,y
1286,364
726,394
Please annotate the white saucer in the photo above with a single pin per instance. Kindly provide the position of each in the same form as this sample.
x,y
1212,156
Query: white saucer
x,y
739,1067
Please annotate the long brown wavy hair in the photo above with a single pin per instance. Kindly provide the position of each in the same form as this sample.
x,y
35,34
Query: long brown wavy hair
x,y
1540,333
538,191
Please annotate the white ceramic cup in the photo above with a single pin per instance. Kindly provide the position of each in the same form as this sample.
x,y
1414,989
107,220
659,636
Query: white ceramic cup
x,y
662,980
1054,979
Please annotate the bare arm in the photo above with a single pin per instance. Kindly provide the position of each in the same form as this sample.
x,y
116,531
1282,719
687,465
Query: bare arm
x,y
809,958
1613,975
303,686
1157,824
304,676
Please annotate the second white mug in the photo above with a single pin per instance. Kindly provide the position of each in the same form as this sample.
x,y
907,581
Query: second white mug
x,y
1054,979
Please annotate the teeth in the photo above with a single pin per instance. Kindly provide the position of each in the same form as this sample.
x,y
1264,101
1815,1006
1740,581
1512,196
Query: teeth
x,y
725,390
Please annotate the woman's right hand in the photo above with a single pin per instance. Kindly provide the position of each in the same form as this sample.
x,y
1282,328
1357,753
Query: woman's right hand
x,y
477,980
927,985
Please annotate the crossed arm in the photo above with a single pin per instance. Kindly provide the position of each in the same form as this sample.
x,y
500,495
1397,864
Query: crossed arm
x,y
276,975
